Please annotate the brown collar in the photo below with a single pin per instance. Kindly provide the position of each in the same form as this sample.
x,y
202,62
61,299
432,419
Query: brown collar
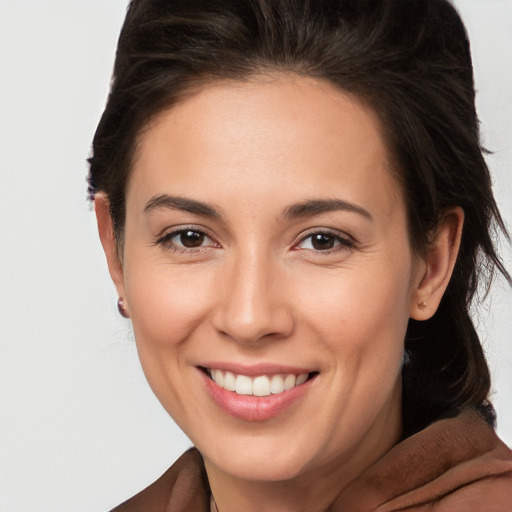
x,y
458,464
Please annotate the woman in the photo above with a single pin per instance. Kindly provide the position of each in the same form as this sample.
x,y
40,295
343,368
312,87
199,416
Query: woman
x,y
296,214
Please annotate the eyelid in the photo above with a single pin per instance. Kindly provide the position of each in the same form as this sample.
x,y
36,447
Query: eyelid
x,y
182,227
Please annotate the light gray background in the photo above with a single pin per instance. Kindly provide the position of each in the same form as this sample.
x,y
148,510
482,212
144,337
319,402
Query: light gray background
x,y
79,428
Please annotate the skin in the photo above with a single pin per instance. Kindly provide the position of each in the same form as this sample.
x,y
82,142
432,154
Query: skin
x,y
257,290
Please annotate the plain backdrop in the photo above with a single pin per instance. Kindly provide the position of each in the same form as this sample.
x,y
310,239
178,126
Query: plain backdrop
x,y
80,430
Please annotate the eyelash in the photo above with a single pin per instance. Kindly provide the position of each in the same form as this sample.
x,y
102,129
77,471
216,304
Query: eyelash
x,y
343,243
166,240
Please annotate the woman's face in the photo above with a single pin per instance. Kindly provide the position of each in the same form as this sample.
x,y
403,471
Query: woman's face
x,y
266,243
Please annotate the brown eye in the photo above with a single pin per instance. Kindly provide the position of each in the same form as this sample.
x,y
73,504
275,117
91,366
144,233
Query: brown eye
x,y
190,238
322,241
183,240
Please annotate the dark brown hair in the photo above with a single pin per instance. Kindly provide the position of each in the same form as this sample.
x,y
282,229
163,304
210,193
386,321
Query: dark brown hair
x,y
409,60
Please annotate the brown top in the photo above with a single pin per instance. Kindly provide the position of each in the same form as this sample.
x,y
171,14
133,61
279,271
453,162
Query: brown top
x,y
454,465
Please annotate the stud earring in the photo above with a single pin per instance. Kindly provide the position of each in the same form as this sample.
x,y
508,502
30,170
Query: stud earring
x,y
422,305
122,308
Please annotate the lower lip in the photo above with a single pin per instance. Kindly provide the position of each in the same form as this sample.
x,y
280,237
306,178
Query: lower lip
x,y
254,408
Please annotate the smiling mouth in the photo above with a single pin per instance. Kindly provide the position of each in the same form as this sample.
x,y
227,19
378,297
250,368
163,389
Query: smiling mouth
x,y
261,385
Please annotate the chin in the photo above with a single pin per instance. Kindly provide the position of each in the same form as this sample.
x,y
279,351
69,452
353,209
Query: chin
x,y
267,458
252,466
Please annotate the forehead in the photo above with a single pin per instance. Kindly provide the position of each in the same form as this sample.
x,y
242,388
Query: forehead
x,y
285,132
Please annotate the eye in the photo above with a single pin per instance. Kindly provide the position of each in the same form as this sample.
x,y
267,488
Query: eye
x,y
186,239
189,238
324,241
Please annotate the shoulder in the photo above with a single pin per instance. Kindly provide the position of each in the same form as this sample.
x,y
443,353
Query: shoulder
x,y
461,464
183,487
455,464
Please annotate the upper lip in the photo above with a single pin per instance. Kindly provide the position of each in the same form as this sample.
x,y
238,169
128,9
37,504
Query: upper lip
x,y
253,370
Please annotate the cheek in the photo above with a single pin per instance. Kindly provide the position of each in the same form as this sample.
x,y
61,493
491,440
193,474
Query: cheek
x,y
361,316
167,305
363,326
166,301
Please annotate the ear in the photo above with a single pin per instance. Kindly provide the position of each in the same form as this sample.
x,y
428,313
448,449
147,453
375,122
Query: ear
x,y
108,241
436,270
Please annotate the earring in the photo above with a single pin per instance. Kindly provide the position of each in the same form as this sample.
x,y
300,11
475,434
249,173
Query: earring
x,y
122,308
422,305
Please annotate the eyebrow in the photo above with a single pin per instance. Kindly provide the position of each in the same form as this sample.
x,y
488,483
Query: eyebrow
x,y
302,209
181,203
318,206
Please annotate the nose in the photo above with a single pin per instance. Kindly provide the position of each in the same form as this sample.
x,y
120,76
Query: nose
x,y
253,304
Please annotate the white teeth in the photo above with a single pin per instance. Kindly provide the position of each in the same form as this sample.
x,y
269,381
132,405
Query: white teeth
x,y
303,377
229,381
258,386
218,377
289,382
261,386
243,385
277,384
